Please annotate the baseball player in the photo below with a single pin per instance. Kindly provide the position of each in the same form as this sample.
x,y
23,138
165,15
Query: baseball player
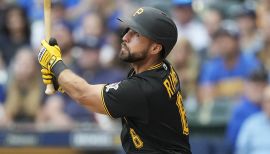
x,y
148,101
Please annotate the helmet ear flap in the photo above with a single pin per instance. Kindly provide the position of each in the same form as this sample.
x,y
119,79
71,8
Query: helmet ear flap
x,y
124,32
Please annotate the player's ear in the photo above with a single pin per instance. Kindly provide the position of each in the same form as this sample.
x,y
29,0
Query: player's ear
x,y
156,48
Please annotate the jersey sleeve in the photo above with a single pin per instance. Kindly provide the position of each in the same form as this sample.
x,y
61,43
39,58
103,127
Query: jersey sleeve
x,y
124,98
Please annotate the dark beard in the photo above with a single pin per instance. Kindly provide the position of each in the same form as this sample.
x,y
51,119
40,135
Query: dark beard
x,y
131,58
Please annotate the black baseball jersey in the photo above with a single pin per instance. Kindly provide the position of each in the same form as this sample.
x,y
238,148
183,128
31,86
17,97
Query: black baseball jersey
x,y
150,105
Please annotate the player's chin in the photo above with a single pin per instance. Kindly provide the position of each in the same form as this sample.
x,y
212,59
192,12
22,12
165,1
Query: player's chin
x,y
123,56
123,53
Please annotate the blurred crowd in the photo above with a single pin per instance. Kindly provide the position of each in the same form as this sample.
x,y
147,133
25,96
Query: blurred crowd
x,y
221,57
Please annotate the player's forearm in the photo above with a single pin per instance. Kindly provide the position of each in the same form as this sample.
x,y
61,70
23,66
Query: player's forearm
x,y
69,83
84,93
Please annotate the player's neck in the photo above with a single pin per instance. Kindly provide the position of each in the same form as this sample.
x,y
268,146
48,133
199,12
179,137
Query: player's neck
x,y
145,65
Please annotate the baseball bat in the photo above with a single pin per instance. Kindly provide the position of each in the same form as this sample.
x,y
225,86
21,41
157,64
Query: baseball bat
x,y
47,20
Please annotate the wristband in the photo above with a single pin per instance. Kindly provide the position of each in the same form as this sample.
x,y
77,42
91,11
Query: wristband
x,y
58,68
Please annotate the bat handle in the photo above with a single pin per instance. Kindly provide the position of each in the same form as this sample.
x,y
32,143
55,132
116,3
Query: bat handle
x,y
49,89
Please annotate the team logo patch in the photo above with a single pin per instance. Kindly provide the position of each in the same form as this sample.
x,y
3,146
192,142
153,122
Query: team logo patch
x,y
112,86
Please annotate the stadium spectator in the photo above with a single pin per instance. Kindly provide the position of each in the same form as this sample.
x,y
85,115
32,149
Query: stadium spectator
x,y
211,52
186,63
24,91
212,20
109,52
59,11
89,64
249,104
62,31
222,77
188,26
52,114
250,38
34,8
254,135
264,54
3,7
66,11
3,81
263,10
17,32
92,28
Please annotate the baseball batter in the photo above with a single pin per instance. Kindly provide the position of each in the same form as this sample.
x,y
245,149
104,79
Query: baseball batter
x,y
149,101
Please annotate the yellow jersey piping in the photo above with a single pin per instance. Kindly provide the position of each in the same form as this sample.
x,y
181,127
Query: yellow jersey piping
x,y
155,66
103,102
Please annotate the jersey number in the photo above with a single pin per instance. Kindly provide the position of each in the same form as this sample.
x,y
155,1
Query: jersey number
x,y
182,112
136,139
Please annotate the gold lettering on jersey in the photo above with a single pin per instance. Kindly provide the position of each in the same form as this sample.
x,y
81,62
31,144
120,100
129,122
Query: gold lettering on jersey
x,y
138,143
182,112
168,86
171,82
139,11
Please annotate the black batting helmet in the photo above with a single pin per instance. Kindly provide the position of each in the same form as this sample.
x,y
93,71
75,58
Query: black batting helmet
x,y
154,24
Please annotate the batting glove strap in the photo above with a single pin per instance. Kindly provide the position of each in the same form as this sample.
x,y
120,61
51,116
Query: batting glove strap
x,y
58,68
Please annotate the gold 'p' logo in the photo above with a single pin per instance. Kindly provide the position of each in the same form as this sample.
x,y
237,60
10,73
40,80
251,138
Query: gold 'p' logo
x,y
139,11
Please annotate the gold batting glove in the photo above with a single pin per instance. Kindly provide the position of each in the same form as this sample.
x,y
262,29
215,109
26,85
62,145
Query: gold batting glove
x,y
49,54
48,78
50,57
